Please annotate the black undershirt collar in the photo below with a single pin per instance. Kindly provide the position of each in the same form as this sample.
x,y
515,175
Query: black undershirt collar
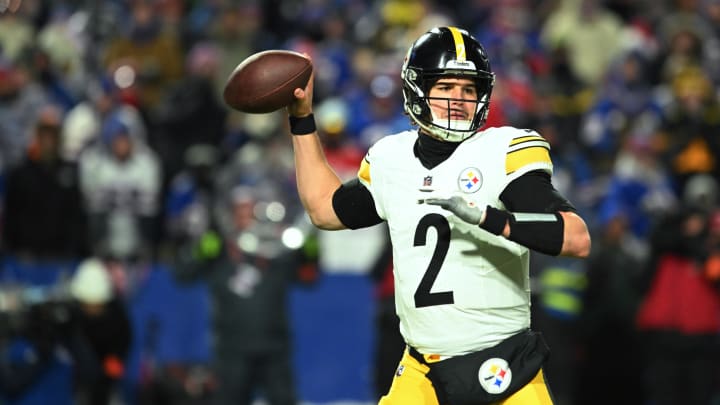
x,y
431,151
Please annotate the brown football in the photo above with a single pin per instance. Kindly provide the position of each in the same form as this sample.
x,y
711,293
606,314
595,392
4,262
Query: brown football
x,y
265,81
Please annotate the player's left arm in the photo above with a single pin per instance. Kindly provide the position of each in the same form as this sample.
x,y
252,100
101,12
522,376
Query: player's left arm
x,y
537,216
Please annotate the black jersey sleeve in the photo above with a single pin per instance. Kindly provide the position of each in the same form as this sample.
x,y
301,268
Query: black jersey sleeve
x,y
354,205
534,192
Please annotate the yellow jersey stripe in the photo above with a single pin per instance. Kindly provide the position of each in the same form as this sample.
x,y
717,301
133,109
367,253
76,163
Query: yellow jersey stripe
x,y
528,144
526,139
364,171
525,156
459,44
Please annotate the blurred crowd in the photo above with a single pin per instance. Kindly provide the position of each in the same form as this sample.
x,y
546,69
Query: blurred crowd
x,y
116,146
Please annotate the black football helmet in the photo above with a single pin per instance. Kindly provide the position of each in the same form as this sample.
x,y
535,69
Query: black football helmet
x,y
445,51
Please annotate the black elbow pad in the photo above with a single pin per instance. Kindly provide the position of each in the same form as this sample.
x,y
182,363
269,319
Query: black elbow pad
x,y
354,205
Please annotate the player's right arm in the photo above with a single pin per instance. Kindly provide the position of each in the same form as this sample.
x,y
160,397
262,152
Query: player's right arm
x,y
330,204
316,180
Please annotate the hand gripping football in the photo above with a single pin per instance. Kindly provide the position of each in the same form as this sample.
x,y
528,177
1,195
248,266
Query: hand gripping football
x,y
265,81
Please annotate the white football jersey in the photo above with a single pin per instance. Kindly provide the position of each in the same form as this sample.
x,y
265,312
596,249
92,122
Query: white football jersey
x,y
458,288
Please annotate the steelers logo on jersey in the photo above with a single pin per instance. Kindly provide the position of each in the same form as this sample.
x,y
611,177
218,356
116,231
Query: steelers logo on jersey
x,y
470,180
495,375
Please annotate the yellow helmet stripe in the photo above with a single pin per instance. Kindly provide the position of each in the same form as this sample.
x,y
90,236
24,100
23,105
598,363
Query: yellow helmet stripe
x,y
459,43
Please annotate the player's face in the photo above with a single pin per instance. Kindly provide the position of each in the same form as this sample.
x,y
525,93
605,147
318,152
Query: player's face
x,y
243,215
121,146
463,95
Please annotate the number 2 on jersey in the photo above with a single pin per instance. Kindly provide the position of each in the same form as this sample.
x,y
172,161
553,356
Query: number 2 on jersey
x,y
423,296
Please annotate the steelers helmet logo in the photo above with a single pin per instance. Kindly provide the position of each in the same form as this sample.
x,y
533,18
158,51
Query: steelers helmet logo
x,y
470,180
495,375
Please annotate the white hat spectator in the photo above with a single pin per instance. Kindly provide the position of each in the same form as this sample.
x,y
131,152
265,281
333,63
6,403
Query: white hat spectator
x,y
91,283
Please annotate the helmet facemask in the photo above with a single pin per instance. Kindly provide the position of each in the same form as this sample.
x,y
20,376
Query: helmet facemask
x,y
418,107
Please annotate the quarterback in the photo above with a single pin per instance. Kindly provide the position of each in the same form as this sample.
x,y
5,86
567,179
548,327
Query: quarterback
x,y
464,206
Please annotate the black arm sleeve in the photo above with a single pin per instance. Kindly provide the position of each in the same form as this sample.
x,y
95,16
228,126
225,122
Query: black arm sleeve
x,y
535,204
354,205
534,192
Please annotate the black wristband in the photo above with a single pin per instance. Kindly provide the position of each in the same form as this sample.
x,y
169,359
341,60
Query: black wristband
x,y
495,220
302,125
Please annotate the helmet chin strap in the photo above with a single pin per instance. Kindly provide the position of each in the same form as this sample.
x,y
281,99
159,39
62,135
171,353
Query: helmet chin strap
x,y
444,129
453,125
444,134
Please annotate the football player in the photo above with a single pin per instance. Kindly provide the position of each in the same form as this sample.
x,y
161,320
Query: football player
x,y
464,206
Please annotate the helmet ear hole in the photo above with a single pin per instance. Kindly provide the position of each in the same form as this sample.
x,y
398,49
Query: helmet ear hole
x,y
445,51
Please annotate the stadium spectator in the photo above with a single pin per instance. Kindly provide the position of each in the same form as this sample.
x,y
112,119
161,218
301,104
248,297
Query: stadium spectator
x,y
679,315
99,335
248,268
45,215
120,179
